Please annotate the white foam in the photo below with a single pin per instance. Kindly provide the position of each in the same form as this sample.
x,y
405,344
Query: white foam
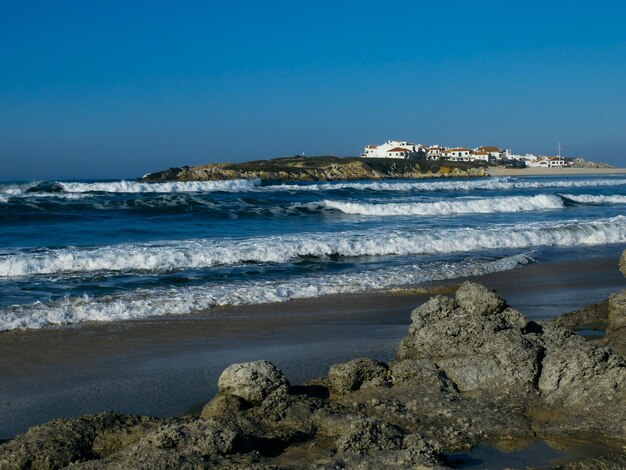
x,y
145,303
450,206
594,199
205,253
36,197
170,187
246,185
16,188
449,185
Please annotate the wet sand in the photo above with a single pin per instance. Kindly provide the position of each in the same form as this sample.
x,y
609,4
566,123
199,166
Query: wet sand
x,y
169,366
498,171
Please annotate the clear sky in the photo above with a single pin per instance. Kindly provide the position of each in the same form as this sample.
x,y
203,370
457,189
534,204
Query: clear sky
x,y
106,89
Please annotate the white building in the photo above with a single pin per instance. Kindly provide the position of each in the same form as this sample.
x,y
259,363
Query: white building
x,y
491,151
459,154
394,149
479,156
433,152
546,162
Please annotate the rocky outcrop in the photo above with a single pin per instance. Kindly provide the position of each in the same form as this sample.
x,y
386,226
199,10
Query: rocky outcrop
x,y
357,374
471,369
582,163
482,345
60,442
317,169
609,315
367,435
252,381
591,317
475,340
412,371
615,336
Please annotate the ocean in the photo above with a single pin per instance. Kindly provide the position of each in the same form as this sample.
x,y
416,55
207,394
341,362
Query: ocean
x,y
80,251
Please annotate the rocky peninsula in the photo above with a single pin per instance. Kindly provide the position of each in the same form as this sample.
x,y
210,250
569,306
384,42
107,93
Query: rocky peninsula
x,y
300,168
471,370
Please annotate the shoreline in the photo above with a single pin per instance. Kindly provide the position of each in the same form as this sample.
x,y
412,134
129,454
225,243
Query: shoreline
x,y
497,171
93,367
473,381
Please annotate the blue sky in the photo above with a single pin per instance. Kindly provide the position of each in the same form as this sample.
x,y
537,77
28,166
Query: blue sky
x,y
92,89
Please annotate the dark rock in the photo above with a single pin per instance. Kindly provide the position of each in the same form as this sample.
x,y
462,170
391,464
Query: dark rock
x,y
615,336
420,373
357,374
223,406
591,317
368,435
284,418
177,443
611,461
616,306
60,442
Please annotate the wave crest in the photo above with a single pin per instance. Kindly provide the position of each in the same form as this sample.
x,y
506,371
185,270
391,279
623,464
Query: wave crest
x,y
143,303
450,206
449,185
194,254
595,199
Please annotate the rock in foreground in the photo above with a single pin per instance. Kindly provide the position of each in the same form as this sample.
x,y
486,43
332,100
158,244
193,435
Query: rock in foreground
x,y
608,316
471,370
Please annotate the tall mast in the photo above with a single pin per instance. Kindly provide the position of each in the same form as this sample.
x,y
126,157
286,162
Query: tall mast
x,y
559,149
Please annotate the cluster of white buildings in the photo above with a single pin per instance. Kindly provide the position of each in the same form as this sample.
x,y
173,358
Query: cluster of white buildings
x,y
539,161
488,154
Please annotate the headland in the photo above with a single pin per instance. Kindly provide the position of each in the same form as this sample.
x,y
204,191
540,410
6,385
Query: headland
x,y
327,168
300,168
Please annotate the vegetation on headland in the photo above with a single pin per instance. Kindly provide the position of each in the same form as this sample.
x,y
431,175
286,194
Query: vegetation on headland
x,y
323,168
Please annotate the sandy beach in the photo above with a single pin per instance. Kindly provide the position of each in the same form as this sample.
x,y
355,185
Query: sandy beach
x,y
501,171
169,366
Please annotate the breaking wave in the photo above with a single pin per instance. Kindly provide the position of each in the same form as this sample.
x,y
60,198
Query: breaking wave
x,y
449,185
170,187
450,206
53,189
205,253
593,199
144,303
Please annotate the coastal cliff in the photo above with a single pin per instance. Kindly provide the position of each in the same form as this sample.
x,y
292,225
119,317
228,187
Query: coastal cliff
x,y
318,169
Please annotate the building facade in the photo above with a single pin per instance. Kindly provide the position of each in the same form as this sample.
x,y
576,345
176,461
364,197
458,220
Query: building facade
x,y
395,149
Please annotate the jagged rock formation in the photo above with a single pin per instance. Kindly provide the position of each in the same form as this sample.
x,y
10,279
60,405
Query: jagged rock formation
x,y
357,374
318,169
582,163
470,370
609,315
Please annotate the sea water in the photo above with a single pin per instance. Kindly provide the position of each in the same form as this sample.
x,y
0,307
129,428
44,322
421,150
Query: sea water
x,y
75,251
